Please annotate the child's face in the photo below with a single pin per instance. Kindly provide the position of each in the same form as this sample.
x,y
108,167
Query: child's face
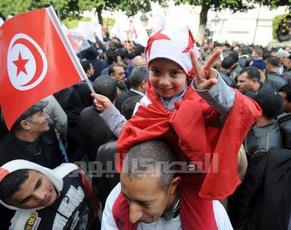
x,y
166,77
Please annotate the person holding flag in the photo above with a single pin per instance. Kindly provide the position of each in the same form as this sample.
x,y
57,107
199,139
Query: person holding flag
x,y
36,61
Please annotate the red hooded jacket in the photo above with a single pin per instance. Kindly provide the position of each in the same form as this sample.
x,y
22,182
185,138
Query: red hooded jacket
x,y
213,150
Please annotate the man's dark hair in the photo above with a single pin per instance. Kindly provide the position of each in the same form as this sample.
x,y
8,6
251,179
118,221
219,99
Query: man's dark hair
x,y
259,51
111,56
12,183
138,75
90,53
270,102
286,89
122,52
266,54
86,65
111,68
146,158
226,44
245,50
274,61
104,85
252,72
128,106
229,61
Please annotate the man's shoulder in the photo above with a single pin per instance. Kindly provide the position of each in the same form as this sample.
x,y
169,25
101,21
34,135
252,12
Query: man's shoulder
x,y
113,195
285,117
88,116
276,78
121,98
25,219
89,111
279,157
9,146
4,142
90,121
221,217
124,94
144,101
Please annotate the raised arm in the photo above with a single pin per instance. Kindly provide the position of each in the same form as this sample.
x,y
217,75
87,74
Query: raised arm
x,y
211,86
112,117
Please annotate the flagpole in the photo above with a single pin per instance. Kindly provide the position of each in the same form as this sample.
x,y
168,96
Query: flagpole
x,y
55,20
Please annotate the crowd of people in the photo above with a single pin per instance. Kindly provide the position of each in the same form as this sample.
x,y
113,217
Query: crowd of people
x,y
177,136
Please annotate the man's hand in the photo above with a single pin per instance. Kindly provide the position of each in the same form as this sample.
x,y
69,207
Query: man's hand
x,y
205,76
101,102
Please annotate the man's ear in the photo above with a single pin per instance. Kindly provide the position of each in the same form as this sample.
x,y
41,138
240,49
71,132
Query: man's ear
x,y
233,67
174,184
25,124
144,84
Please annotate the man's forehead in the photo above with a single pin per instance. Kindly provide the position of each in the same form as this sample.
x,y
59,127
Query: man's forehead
x,y
32,172
118,68
139,190
242,76
140,178
132,197
37,112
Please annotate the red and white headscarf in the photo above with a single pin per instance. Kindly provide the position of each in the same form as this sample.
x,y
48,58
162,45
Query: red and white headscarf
x,y
173,44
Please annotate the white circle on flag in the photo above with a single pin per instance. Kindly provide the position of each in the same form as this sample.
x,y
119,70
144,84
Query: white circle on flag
x,y
24,57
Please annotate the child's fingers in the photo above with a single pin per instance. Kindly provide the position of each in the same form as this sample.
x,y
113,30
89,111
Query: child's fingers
x,y
196,66
207,84
209,63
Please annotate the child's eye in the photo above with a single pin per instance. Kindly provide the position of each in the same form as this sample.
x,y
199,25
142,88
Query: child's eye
x,y
154,72
176,73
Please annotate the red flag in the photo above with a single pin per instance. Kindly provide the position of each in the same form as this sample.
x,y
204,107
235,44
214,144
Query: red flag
x,y
36,61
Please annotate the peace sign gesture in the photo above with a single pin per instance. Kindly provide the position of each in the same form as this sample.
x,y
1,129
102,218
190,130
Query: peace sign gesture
x,y
205,76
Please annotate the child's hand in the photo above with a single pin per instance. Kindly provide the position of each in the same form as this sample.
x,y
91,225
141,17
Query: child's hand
x,y
101,102
205,76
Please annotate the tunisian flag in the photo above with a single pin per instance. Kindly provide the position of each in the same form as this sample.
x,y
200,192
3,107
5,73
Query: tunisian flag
x,y
36,60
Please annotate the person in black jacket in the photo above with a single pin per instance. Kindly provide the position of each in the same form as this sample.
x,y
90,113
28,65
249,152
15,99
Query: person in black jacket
x,y
265,201
73,100
249,81
265,133
228,64
31,138
263,136
93,129
285,118
274,79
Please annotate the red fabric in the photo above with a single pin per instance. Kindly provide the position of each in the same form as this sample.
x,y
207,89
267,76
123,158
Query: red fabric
x,y
195,212
120,214
36,35
213,150
89,193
